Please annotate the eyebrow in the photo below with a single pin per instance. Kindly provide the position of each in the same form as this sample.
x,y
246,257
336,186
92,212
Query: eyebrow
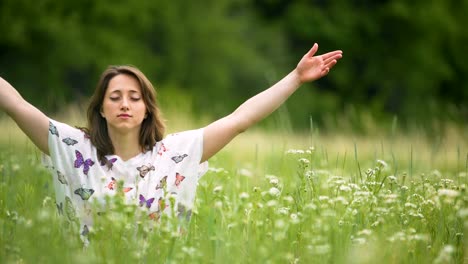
x,y
120,91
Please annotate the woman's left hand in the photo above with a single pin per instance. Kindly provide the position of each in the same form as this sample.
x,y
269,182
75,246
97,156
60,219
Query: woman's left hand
x,y
312,67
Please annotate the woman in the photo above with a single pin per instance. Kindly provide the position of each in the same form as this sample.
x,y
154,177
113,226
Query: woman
x,y
123,147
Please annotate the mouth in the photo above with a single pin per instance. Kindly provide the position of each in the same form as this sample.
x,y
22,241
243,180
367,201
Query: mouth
x,y
124,115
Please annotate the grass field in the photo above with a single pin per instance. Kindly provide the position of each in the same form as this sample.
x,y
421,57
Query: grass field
x,y
268,198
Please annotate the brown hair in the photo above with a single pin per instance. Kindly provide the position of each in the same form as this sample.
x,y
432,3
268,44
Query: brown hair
x,y
152,128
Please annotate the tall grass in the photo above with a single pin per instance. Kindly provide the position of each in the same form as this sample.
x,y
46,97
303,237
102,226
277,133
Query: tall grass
x,y
269,197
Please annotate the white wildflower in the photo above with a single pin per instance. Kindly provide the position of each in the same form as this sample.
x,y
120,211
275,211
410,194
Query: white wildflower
x,y
390,198
294,218
288,199
446,181
283,211
362,193
436,173
245,172
217,189
274,181
320,249
304,161
382,164
448,193
309,174
342,200
411,205
280,224
272,203
366,232
218,204
46,201
323,198
445,254
311,206
463,213
244,196
359,240
295,151
392,179
274,191
15,167
420,237
345,188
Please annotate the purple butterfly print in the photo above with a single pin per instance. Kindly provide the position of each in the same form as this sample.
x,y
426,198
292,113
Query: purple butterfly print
x,y
148,202
82,162
108,162
179,158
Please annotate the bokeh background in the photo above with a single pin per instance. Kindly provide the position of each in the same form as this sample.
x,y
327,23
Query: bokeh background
x,y
404,61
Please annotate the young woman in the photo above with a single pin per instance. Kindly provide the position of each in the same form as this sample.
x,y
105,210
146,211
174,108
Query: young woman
x,y
123,146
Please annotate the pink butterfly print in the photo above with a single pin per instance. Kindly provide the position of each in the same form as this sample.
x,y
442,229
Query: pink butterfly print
x,y
111,184
162,183
148,202
81,162
155,216
179,179
127,189
162,149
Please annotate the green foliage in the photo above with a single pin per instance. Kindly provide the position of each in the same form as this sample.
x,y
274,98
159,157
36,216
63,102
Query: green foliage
x,y
299,207
400,57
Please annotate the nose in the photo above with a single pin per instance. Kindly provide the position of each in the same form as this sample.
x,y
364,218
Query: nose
x,y
124,105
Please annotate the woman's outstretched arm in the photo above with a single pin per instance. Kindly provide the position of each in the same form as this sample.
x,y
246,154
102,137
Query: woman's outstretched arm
x,y
33,122
219,133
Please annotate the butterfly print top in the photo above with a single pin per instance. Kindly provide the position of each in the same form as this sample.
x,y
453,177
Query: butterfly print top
x,y
171,168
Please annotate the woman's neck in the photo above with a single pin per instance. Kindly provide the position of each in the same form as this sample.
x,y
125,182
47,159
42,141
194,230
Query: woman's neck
x,y
126,145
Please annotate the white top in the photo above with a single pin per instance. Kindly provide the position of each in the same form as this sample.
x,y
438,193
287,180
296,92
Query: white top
x,y
171,168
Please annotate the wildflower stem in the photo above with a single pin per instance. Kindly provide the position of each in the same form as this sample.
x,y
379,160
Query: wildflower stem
x,y
355,157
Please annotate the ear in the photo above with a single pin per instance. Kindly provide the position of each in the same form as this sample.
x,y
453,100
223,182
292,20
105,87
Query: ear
x,y
102,114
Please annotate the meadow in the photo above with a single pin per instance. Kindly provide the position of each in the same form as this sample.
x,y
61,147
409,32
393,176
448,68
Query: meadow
x,y
269,197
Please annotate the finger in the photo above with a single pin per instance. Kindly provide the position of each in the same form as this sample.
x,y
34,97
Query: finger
x,y
312,51
336,53
330,64
325,71
335,58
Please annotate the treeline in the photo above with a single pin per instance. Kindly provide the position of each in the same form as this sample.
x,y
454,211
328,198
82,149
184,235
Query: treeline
x,y
401,58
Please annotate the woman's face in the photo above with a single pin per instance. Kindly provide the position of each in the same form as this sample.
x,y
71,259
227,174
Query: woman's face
x,y
123,106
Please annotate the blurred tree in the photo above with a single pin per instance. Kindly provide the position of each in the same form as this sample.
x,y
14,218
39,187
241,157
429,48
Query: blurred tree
x,y
401,57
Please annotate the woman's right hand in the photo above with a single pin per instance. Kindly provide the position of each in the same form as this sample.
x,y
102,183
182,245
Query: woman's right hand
x,y
32,122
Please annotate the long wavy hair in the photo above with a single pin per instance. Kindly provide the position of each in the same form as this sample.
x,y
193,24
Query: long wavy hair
x,y
152,128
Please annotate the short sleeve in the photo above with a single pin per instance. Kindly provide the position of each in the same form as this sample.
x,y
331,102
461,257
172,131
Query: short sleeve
x,y
64,143
188,144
